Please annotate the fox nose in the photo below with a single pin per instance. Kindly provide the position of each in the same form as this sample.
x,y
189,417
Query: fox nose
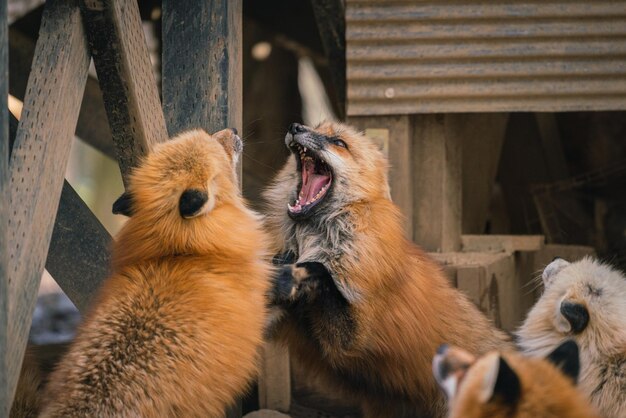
x,y
296,128
576,314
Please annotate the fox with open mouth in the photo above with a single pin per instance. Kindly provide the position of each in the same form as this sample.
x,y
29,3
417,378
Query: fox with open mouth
x,y
361,307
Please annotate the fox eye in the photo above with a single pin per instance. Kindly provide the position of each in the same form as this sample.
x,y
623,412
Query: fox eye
x,y
339,143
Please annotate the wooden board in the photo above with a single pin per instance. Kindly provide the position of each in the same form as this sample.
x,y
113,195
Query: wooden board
x,y
202,65
4,206
38,162
398,130
92,126
502,243
437,181
118,45
274,388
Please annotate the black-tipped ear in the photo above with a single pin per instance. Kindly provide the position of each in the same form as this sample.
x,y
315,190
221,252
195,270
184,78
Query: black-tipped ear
x,y
507,387
191,202
565,357
123,205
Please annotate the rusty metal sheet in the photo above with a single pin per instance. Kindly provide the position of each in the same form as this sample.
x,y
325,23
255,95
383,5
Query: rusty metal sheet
x,y
408,56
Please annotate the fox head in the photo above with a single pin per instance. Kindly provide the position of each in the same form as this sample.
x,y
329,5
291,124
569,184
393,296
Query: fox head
x,y
180,194
332,165
508,384
584,301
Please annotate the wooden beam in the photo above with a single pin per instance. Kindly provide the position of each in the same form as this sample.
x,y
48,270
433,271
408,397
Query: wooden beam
x,y
78,257
4,205
93,126
202,64
201,70
39,160
437,181
331,24
395,137
131,99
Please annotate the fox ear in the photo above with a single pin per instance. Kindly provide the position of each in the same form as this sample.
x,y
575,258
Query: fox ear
x,y
191,203
553,269
565,357
501,382
123,205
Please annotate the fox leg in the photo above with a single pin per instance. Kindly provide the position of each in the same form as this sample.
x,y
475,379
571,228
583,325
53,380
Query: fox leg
x,y
297,282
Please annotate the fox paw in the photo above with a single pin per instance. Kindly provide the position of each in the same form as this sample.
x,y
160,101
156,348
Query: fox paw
x,y
295,281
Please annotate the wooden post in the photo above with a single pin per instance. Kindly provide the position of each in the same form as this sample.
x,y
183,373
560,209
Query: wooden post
x,y
38,162
119,50
202,64
437,180
4,204
331,25
395,136
201,70
78,257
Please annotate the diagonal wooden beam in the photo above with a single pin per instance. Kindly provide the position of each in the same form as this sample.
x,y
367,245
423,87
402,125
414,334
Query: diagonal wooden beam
x,y
78,257
131,99
4,209
39,160
331,24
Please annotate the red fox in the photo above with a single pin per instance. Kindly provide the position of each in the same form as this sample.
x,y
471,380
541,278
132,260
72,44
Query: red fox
x,y
584,301
363,309
508,385
176,328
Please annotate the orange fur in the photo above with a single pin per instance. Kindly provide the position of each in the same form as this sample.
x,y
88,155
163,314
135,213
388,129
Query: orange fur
x,y
27,394
402,305
176,328
545,391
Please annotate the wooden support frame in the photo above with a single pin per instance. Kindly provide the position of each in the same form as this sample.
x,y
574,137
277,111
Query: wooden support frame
x,y
202,70
131,99
38,162
201,66
331,24
4,209
78,257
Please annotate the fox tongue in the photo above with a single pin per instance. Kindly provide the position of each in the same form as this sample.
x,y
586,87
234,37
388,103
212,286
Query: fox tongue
x,y
313,185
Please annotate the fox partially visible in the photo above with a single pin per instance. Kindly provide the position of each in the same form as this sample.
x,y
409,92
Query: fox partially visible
x,y
584,301
363,309
175,330
509,385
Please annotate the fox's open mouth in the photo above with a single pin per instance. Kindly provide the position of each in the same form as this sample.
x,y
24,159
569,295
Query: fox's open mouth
x,y
315,181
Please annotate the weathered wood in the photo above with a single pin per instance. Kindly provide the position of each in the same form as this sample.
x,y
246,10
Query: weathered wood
x,y
331,24
498,243
202,64
4,205
201,70
78,257
437,181
482,143
118,46
399,132
93,126
38,162
275,378
411,57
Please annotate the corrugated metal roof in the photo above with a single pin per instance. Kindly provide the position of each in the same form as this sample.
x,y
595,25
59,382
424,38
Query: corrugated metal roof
x,y
416,56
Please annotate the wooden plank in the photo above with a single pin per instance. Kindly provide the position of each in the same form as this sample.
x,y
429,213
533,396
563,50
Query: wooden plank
x,y
274,378
202,65
38,162
78,257
399,131
331,24
437,181
482,143
93,126
131,99
502,243
4,206
201,70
